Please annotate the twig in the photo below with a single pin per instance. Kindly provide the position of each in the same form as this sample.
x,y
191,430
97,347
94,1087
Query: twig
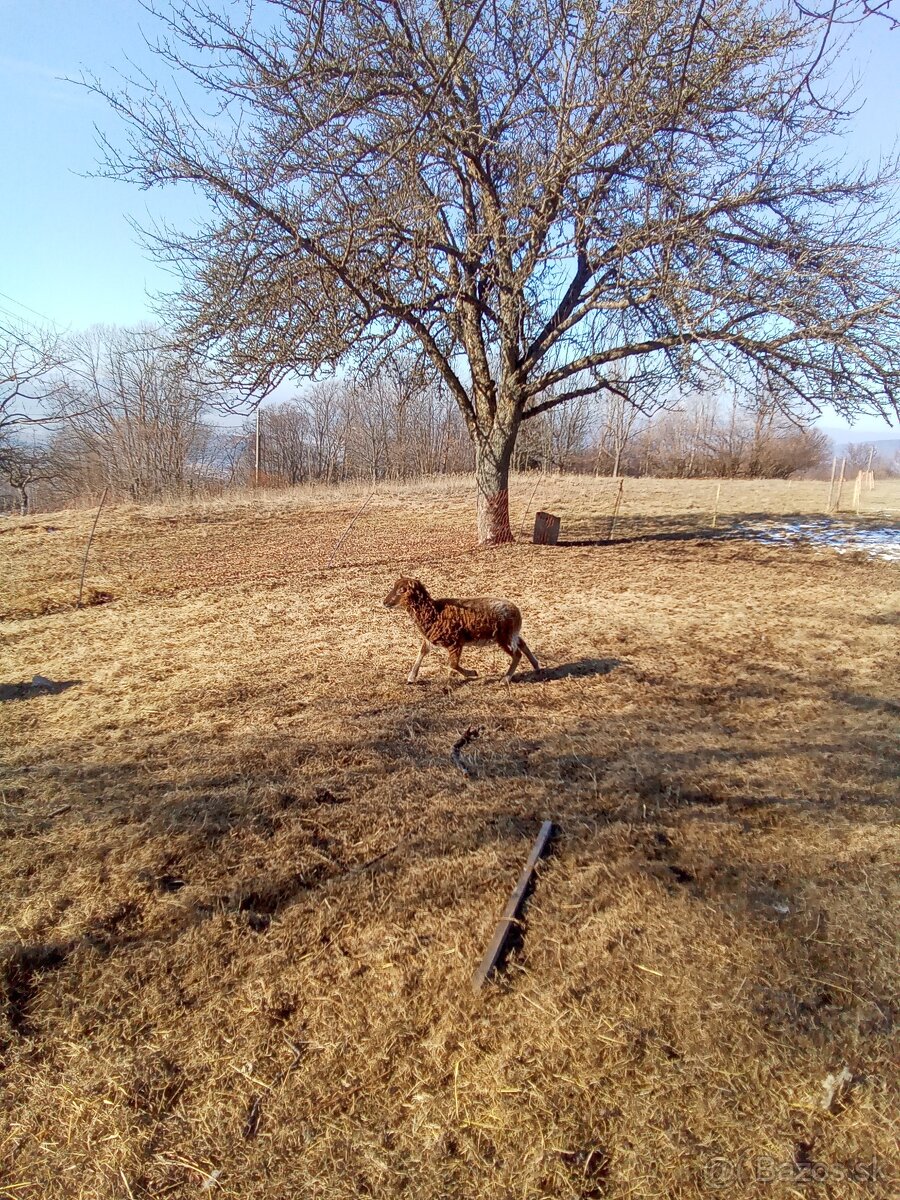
x,y
368,863
251,1125
528,505
88,547
612,528
460,744
58,812
359,512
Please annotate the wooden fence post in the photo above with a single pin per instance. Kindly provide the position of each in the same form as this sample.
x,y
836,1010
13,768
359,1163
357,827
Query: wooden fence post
x,y
837,503
831,485
857,491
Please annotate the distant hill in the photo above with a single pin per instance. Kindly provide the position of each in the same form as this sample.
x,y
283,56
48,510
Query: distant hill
x,y
886,447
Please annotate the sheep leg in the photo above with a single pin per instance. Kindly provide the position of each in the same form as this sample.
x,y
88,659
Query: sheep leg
x,y
454,664
524,648
414,673
515,655
515,650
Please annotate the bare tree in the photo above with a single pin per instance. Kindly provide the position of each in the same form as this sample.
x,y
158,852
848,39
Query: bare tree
x,y
285,443
527,190
618,420
795,450
395,423
729,440
862,456
132,415
329,420
23,466
29,380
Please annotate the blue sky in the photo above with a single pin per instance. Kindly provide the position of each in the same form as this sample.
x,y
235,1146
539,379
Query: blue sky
x,y
66,248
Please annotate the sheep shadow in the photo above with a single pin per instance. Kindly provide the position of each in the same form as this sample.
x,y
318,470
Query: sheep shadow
x,y
582,668
28,690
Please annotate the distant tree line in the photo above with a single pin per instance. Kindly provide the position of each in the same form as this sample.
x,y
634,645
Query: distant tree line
x,y
397,424
119,409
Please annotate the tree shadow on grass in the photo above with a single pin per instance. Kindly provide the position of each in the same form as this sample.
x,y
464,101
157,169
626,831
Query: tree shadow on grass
x,y
641,806
37,687
682,527
863,703
678,535
749,527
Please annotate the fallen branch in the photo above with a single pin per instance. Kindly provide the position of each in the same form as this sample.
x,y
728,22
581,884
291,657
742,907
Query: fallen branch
x,y
460,744
369,863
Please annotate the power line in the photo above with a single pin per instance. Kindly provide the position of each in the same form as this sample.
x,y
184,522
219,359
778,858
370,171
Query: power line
x,y
60,333
96,384
33,311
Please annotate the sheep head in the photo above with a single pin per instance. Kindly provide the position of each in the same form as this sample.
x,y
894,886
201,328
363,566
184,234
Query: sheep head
x,y
404,592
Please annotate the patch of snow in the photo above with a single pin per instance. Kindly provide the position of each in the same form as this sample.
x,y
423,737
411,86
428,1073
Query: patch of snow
x,y
879,541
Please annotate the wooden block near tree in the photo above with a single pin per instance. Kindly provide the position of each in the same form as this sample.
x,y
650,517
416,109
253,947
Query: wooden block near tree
x,y
546,529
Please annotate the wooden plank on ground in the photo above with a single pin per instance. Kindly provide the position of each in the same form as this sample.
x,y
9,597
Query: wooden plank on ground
x,y
507,923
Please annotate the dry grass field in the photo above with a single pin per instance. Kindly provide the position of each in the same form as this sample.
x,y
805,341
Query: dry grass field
x,y
243,889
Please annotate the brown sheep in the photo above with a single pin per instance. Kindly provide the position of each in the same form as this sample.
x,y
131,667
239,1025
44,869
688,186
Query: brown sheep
x,y
453,624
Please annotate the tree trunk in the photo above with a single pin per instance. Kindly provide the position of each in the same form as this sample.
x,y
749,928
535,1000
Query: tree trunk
x,y
493,454
23,502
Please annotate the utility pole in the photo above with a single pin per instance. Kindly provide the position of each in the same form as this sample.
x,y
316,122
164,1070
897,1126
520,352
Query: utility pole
x,y
257,447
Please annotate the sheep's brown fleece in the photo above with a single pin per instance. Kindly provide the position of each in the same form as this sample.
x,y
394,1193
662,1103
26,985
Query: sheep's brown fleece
x,y
453,624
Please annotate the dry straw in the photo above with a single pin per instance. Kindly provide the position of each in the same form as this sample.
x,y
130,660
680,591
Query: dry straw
x,y
244,888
